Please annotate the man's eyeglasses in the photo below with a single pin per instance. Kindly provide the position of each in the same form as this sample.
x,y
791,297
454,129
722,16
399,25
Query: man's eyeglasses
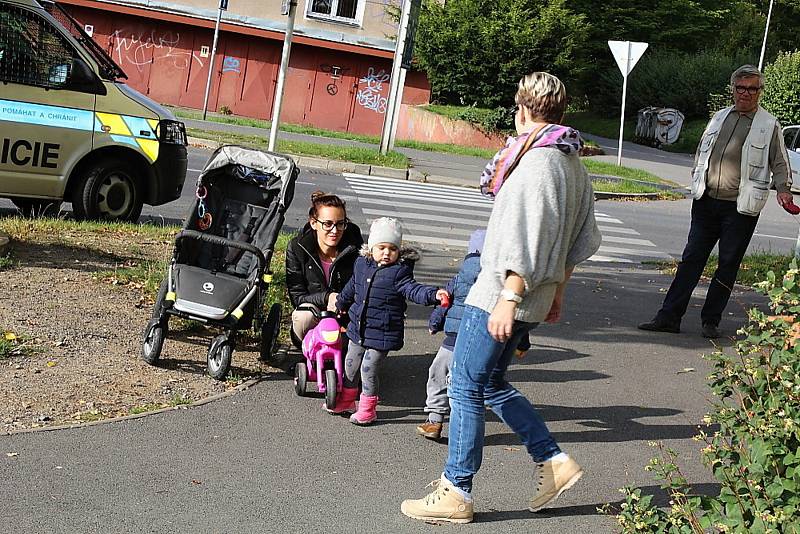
x,y
328,225
749,89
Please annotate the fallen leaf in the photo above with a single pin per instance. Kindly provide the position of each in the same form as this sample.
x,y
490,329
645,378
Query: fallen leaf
x,y
10,336
51,363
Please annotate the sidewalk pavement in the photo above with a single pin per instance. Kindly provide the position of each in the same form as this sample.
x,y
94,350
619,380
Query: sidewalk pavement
x,y
453,169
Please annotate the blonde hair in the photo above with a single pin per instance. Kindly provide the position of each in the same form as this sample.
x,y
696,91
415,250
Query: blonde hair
x,y
543,95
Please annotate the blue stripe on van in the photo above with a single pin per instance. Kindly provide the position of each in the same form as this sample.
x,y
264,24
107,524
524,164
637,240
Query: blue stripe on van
x,y
125,139
137,125
55,116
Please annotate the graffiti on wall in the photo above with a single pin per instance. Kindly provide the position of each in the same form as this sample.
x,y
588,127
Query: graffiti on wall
x,y
133,47
231,64
370,95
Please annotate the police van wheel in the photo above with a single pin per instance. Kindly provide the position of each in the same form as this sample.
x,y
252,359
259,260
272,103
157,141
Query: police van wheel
x,y
37,207
108,191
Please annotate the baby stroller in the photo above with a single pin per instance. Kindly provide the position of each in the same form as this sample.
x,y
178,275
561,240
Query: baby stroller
x,y
219,274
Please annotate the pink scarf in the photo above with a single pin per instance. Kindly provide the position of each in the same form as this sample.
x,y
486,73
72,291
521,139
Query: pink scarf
x,y
564,138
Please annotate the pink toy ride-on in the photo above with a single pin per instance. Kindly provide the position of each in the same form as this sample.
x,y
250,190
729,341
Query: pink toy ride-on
x,y
322,348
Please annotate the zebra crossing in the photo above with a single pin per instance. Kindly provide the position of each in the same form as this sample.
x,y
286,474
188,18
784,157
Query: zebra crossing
x,y
445,215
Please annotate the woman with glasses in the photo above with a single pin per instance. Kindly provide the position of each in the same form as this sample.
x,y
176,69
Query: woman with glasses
x,y
319,261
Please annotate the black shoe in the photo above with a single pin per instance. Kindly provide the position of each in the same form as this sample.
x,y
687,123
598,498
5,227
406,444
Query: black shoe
x,y
660,325
711,331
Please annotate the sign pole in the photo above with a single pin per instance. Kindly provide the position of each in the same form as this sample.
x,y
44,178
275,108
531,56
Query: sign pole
x,y
223,5
624,96
626,54
278,99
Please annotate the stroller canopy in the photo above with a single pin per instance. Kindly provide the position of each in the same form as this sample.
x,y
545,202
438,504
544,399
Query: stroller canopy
x,y
272,170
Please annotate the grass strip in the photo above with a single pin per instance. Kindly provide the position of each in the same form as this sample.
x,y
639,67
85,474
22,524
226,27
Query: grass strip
x,y
362,155
612,169
754,267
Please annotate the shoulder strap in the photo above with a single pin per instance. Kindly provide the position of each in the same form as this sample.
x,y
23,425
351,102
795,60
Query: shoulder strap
x,y
527,146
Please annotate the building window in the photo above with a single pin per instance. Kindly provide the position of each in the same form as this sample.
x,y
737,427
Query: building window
x,y
348,11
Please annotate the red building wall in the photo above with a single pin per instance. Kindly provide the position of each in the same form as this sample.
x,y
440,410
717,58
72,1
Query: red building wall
x,y
325,88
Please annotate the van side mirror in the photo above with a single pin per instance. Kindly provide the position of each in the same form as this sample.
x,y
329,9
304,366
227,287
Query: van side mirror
x,y
83,79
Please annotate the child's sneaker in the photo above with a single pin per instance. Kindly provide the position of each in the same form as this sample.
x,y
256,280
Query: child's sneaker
x,y
444,503
554,477
430,430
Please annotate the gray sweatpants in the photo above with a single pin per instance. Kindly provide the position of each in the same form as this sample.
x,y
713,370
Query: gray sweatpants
x,y
437,405
361,365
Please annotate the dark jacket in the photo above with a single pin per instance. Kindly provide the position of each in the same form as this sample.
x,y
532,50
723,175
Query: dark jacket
x,y
375,299
449,319
305,278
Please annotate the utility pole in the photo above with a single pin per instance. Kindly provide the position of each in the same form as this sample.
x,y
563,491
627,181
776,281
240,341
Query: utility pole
x,y
764,43
288,7
390,118
223,5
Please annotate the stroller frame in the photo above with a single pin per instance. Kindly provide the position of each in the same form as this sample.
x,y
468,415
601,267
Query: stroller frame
x,y
222,280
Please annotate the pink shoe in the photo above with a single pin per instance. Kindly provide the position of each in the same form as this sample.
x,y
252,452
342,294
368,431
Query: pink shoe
x,y
366,410
345,402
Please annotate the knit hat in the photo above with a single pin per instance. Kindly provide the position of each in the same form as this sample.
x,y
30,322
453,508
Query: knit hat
x,y
476,241
385,230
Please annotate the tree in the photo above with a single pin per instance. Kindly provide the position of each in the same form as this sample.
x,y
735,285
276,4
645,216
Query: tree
x,y
475,51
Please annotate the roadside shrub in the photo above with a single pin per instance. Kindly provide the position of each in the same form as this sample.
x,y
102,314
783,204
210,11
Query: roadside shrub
x,y
782,87
755,453
668,79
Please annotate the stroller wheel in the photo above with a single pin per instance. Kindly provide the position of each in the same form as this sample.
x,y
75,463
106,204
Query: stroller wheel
x,y
269,331
153,341
330,388
219,357
300,378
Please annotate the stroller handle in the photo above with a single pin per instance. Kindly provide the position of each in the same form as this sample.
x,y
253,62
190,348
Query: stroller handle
x,y
217,240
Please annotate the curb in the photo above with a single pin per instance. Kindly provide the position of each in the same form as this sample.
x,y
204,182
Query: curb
x,y
5,244
233,391
414,175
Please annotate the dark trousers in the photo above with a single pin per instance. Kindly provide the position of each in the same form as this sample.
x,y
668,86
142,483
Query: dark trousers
x,y
712,220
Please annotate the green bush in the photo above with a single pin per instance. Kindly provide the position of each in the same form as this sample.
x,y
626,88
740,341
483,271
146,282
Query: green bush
x,y
475,51
755,453
668,79
782,87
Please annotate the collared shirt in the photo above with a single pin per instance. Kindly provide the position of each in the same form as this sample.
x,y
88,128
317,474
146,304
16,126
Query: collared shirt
x,y
725,161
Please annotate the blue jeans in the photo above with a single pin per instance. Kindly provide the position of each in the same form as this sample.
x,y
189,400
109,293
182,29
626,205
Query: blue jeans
x,y
477,380
712,221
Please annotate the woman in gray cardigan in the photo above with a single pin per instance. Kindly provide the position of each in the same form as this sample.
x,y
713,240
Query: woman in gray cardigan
x,y
541,226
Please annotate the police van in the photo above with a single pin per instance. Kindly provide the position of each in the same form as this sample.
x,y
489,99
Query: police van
x,y
71,130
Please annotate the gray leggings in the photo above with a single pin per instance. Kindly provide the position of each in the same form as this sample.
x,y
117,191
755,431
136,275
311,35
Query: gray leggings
x,y
361,365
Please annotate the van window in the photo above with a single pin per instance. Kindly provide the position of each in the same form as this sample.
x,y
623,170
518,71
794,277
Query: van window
x,y
32,52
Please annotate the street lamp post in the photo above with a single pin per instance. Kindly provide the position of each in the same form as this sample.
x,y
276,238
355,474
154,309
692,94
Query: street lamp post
x,y
223,5
287,47
764,43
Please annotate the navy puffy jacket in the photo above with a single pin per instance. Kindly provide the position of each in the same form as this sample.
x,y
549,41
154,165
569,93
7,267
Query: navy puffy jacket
x,y
375,298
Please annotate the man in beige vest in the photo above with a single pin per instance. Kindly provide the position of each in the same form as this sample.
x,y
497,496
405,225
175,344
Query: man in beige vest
x,y
741,154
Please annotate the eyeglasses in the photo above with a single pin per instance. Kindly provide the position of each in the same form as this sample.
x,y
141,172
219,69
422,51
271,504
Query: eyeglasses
x,y
749,89
329,225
